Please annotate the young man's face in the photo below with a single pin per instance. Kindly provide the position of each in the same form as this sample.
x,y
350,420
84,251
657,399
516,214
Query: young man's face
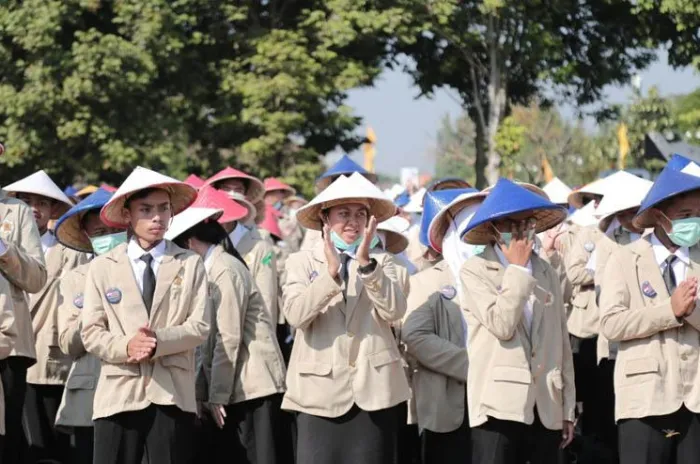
x,y
42,208
94,227
150,216
232,186
682,207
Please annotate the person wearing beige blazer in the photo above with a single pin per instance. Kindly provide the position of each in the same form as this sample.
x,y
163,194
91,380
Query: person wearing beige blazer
x,y
520,387
145,310
22,264
8,332
46,378
434,332
82,230
241,378
650,309
345,378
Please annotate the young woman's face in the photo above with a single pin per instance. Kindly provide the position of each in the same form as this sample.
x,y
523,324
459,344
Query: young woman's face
x,y
150,216
348,221
42,208
232,186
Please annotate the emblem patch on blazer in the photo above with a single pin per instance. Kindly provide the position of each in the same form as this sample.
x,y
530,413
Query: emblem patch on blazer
x,y
448,291
7,227
589,247
267,260
78,301
313,276
177,282
648,290
499,289
114,295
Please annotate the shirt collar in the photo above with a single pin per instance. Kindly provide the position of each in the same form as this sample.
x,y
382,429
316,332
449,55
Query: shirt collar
x,y
504,261
135,252
48,239
207,257
661,252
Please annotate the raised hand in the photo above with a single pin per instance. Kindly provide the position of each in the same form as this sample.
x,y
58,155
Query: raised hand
x,y
363,250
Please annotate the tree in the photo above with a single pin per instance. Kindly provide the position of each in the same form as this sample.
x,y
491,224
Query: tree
x,y
498,53
686,112
91,88
454,149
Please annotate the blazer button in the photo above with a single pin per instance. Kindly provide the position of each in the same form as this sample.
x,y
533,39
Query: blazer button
x,y
684,357
352,364
350,334
533,354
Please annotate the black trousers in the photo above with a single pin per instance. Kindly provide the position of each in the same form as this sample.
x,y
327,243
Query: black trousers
x,y
448,448
45,442
161,434
13,372
506,442
83,445
670,439
367,437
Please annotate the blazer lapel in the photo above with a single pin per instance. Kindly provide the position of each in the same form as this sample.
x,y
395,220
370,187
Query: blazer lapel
x,y
167,272
694,268
353,291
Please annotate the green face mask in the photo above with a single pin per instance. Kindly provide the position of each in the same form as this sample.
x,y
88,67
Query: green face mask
x,y
340,244
106,243
685,232
478,249
506,237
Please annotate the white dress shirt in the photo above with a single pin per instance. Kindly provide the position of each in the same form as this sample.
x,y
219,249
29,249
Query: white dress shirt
x,y
48,241
135,252
680,266
527,311
238,233
207,258
3,247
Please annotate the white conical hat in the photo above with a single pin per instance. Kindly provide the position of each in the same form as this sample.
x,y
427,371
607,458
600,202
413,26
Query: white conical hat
x,y
40,183
395,229
557,191
190,218
629,193
181,194
691,168
345,190
585,216
599,187
416,203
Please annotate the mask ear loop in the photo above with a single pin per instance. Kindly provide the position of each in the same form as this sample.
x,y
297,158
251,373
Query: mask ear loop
x,y
497,235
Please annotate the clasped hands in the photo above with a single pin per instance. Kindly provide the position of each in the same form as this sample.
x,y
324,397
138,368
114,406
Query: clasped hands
x,y
142,346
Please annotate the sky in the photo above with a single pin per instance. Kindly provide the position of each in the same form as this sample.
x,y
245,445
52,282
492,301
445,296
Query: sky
x,y
406,126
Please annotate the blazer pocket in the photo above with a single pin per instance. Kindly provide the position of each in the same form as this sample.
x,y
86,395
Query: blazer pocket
x,y
81,382
179,361
121,370
639,366
382,358
512,374
312,368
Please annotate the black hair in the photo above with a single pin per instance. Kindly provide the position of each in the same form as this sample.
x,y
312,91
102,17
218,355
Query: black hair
x,y
88,213
141,194
210,232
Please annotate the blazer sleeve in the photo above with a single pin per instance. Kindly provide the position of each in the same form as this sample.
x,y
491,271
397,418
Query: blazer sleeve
x,y
8,331
194,330
304,301
500,311
620,322
229,321
68,318
432,352
24,265
576,259
385,290
96,336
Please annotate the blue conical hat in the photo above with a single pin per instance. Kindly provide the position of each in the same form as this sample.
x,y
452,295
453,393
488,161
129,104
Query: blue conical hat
x,y
433,203
508,199
402,200
677,162
669,184
68,226
345,166
455,202
447,183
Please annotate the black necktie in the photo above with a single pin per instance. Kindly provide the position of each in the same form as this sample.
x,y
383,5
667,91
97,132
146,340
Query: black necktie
x,y
669,276
149,282
345,271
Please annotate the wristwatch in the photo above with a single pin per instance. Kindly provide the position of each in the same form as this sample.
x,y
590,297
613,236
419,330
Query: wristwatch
x,y
369,268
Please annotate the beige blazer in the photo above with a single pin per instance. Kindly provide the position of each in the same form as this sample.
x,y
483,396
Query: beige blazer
x,y
23,266
311,239
416,250
344,351
513,369
52,365
241,359
434,336
8,334
583,320
113,311
261,259
657,363
76,405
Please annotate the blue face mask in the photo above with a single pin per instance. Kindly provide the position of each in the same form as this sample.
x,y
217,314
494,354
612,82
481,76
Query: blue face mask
x,y
340,244
106,243
685,232
277,206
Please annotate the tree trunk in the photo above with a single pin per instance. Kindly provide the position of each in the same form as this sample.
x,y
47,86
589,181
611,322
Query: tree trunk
x,y
497,100
481,159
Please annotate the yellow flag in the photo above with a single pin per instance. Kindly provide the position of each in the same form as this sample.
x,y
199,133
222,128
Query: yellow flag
x,y
369,150
623,143
547,171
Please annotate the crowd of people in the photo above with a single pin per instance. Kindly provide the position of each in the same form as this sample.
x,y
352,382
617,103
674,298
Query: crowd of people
x,y
231,320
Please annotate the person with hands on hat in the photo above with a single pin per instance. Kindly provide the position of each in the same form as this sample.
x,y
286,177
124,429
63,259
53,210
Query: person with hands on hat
x,y
520,387
648,304
345,377
80,229
145,310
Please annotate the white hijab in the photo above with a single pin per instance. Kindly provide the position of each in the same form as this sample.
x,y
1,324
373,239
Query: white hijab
x,y
454,250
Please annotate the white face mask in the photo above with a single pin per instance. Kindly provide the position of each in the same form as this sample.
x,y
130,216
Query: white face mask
x,y
293,213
